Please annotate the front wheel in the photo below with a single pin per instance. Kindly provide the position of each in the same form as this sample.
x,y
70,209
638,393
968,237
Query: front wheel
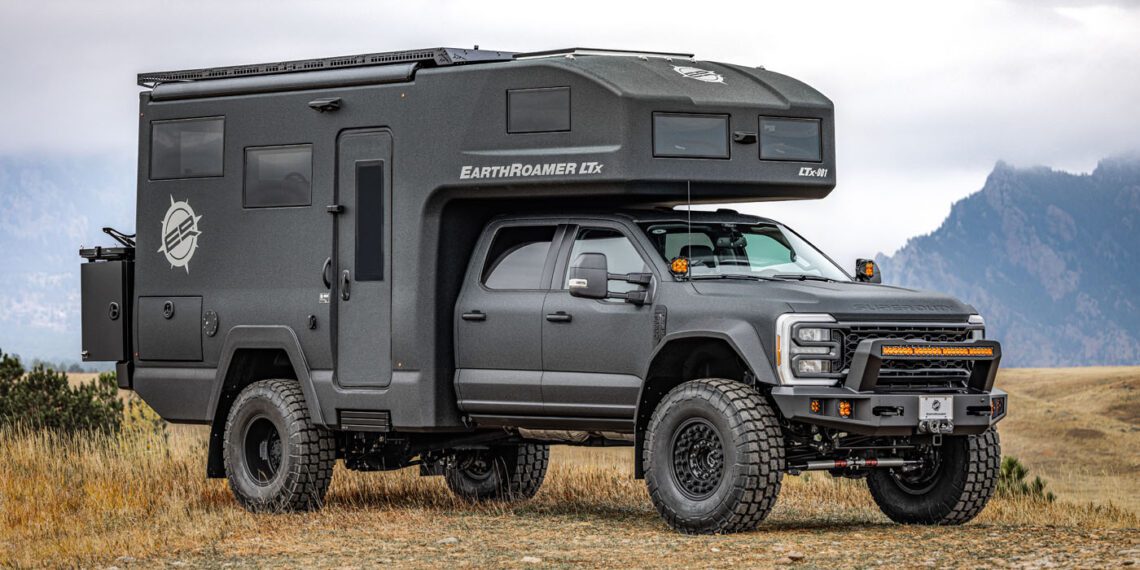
x,y
715,457
951,487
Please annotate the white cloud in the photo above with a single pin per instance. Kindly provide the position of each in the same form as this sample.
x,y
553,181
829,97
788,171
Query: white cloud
x,y
928,96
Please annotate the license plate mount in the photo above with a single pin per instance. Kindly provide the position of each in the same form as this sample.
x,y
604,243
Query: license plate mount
x,y
935,408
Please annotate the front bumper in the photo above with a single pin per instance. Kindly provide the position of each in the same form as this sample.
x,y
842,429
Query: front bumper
x,y
894,413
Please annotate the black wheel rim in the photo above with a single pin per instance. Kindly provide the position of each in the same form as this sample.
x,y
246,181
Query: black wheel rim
x,y
919,481
477,466
698,458
262,443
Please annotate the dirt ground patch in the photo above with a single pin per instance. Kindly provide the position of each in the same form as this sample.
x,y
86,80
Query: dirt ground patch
x,y
141,500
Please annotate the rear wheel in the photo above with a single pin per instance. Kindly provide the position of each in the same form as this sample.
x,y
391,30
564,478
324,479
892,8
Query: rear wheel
x,y
276,459
715,457
506,472
952,486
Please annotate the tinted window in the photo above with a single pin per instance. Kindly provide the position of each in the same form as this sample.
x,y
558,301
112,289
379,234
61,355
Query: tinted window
x,y
538,110
790,139
278,176
518,257
694,136
187,148
369,221
621,256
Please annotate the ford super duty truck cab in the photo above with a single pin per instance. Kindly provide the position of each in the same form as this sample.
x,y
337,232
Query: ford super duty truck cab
x,y
453,259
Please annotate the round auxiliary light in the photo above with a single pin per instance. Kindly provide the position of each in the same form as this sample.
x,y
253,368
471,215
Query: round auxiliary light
x,y
679,266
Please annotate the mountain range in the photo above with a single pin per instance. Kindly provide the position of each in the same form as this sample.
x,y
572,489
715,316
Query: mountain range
x,y
1049,258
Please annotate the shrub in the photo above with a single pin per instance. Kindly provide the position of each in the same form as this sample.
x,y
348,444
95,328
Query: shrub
x,y
42,399
1012,482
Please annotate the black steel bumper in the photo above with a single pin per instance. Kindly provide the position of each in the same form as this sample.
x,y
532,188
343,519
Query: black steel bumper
x,y
894,413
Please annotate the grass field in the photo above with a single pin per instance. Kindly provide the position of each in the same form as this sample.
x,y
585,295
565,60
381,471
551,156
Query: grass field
x,y
141,500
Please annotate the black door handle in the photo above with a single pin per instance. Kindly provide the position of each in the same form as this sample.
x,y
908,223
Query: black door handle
x,y
325,277
475,316
344,285
559,317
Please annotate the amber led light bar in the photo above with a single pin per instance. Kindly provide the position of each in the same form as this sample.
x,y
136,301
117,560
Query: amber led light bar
x,y
938,351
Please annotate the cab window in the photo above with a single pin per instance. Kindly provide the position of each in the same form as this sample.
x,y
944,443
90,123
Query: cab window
x,y
517,257
621,256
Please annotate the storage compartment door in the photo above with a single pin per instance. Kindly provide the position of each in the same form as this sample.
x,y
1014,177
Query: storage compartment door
x,y
170,328
105,310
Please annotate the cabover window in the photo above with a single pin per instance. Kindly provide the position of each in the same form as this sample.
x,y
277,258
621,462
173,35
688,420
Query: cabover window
x,y
790,139
187,148
278,176
690,136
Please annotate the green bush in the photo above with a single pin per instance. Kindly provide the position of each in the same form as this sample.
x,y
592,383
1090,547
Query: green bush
x,y
1012,482
42,399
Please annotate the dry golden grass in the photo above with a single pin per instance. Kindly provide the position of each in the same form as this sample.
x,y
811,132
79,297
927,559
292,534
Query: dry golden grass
x,y
1078,428
90,501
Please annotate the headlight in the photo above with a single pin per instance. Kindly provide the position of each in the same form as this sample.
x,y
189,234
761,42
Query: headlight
x,y
797,343
977,327
813,366
814,334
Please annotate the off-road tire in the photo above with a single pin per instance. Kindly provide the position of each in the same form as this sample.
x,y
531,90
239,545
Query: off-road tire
x,y
306,452
503,473
752,452
963,484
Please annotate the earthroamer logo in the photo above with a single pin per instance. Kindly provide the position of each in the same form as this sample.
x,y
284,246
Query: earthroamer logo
x,y
180,234
518,170
816,172
699,74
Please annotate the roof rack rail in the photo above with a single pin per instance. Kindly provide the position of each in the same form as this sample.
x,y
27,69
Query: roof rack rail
x,y
594,51
430,57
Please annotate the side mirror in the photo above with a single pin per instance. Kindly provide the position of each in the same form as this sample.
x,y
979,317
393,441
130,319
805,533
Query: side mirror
x,y
867,270
589,276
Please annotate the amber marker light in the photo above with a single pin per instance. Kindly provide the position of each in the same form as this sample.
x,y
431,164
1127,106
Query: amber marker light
x,y
816,406
679,266
938,351
845,408
869,269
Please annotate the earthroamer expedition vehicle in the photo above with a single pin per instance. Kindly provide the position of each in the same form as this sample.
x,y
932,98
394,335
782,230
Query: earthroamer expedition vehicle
x,y
451,259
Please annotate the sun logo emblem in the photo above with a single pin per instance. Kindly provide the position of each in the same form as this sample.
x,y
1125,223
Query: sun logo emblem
x,y
180,234
699,74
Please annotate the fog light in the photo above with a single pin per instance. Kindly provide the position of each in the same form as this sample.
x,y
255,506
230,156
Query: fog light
x,y
997,407
813,366
845,408
816,406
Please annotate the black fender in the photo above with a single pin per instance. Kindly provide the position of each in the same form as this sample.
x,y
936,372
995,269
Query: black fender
x,y
244,337
740,336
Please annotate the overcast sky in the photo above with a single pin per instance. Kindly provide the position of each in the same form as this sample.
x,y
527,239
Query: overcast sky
x,y
928,96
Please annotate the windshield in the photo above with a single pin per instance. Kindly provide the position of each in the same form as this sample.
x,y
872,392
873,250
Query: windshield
x,y
765,250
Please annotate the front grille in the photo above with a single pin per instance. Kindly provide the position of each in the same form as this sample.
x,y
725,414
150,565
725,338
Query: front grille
x,y
920,375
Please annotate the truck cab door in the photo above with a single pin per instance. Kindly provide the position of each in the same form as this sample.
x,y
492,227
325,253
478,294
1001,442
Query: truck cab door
x,y
498,320
362,284
594,350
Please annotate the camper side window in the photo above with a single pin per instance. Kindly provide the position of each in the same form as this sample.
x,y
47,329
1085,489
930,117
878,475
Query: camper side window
x,y
187,148
278,176
518,257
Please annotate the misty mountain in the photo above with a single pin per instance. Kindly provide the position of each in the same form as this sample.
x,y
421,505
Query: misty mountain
x,y
48,208
1048,257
